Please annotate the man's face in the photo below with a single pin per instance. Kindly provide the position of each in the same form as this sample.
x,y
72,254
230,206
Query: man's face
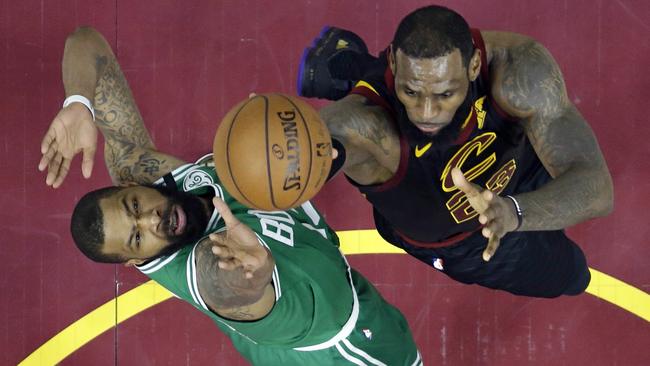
x,y
431,89
140,222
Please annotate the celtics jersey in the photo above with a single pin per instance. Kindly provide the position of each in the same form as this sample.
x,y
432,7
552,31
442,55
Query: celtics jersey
x,y
315,301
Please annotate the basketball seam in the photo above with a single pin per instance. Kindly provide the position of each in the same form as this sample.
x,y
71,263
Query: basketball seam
x,y
232,176
268,158
310,148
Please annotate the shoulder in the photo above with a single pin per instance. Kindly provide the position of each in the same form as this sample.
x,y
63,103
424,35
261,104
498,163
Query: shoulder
x,y
525,79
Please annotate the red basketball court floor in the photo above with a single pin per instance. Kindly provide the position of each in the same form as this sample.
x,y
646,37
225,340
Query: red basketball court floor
x,y
188,62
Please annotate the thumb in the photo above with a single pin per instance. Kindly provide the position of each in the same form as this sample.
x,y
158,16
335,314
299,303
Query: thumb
x,y
225,212
88,162
461,182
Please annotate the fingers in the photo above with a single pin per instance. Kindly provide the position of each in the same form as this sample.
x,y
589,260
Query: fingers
x,y
47,140
225,212
53,169
63,172
87,162
492,246
47,157
463,184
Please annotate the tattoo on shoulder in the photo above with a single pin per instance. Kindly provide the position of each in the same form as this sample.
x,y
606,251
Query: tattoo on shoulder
x,y
532,82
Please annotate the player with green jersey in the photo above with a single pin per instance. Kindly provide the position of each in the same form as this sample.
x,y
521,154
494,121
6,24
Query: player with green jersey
x,y
324,313
274,282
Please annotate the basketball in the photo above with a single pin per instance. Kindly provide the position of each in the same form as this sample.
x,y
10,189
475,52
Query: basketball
x,y
272,152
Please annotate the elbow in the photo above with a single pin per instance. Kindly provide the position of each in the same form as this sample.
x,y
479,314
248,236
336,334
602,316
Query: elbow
x,y
83,33
605,197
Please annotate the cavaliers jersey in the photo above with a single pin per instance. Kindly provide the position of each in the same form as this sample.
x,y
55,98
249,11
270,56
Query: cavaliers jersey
x,y
420,203
318,298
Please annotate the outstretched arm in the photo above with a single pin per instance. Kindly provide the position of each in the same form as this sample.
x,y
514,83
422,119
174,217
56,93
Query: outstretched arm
x,y
90,69
234,271
530,86
368,136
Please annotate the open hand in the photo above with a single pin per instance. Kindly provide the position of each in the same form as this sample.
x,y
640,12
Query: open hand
x,y
496,213
71,131
238,247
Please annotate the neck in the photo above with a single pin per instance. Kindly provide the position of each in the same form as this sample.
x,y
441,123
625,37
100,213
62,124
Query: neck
x,y
207,205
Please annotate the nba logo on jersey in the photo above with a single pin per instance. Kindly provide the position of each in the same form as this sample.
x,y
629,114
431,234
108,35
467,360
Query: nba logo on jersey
x,y
367,332
437,264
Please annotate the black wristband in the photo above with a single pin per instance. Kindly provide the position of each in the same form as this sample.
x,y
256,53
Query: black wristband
x,y
520,213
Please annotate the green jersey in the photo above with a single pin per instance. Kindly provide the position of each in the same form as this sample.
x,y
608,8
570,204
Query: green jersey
x,y
317,303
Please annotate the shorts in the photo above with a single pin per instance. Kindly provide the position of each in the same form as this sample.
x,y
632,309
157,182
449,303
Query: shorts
x,y
530,263
381,337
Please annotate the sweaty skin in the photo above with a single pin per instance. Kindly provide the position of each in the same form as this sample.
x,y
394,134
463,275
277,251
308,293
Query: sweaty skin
x,y
235,272
527,84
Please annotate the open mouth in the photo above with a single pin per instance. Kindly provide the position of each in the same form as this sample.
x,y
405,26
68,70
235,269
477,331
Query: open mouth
x,y
177,220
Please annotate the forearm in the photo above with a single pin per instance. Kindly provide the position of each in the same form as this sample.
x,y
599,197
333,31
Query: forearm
x,y
577,195
91,69
80,66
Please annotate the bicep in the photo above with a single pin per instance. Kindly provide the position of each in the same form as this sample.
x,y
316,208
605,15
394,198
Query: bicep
x,y
529,85
367,135
226,292
131,164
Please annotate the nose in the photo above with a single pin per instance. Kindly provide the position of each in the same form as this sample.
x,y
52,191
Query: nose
x,y
428,110
149,221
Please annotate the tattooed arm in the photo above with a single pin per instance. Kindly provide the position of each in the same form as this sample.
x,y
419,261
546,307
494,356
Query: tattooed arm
x,y
370,140
528,84
234,270
90,69
228,292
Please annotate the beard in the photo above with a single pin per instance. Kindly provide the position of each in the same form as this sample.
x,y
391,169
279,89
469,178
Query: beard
x,y
443,138
196,222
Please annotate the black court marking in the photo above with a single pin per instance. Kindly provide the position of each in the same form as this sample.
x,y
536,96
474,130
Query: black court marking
x,y
232,125
310,152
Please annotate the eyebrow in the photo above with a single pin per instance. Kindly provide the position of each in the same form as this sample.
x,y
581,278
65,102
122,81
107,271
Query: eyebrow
x,y
126,208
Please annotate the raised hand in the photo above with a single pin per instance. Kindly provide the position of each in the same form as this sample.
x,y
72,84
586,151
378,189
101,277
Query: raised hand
x,y
71,131
496,213
238,247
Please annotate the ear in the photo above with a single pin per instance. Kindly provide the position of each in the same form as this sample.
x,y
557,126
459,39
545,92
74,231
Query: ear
x,y
133,262
391,58
474,65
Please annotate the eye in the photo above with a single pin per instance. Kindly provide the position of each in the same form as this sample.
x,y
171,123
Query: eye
x,y
446,95
409,92
136,206
137,239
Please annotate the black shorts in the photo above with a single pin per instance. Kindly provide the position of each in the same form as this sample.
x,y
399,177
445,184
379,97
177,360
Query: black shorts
x,y
530,263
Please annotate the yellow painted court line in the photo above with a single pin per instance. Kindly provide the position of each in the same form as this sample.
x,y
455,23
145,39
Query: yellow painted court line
x,y
353,242
97,322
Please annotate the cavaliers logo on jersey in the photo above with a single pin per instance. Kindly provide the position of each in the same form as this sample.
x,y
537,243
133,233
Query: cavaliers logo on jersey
x,y
477,148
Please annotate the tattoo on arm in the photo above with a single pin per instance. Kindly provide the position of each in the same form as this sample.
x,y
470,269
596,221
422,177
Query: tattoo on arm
x,y
370,140
533,89
117,114
226,292
129,152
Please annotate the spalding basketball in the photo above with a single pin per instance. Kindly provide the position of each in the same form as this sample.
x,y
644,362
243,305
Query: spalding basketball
x,y
272,152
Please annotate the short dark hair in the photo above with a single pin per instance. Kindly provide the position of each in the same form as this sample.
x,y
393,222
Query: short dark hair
x,y
434,31
87,226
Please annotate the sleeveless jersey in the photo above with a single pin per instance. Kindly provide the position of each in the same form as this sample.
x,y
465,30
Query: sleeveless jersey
x,y
420,203
315,301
